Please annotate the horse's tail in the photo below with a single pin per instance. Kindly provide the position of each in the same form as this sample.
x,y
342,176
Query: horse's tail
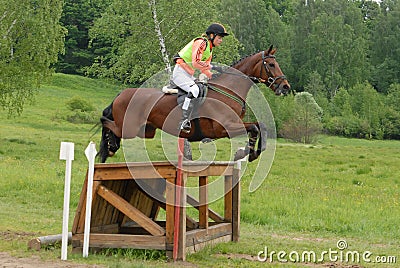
x,y
109,143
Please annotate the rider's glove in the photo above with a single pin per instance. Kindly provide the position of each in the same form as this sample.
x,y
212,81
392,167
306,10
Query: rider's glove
x,y
203,78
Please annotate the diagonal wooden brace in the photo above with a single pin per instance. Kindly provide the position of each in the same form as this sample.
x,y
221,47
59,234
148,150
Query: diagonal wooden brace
x,y
130,211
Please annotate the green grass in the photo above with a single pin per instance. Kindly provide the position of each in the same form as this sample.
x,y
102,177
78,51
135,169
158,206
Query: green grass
x,y
313,196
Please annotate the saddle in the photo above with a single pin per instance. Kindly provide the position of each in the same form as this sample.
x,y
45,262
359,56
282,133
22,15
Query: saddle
x,y
181,94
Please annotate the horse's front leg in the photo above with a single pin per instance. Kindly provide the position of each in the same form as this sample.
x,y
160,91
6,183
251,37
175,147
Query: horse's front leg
x,y
252,132
256,132
262,141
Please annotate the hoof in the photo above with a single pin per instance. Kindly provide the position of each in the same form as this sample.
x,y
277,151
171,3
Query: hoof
x,y
240,154
252,157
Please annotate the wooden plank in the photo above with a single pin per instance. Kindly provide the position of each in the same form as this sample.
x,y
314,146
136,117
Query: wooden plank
x,y
105,216
129,192
182,220
203,200
211,213
80,210
106,229
79,220
193,248
228,199
198,171
121,241
137,172
169,214
120,191
191,223
213,232
130,211
97,205
236,206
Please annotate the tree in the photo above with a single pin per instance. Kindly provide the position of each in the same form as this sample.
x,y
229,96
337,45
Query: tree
x,y
330,39
133,36
305,122
385,47
390,119
316,87
30,40
250,27
77,17
368,105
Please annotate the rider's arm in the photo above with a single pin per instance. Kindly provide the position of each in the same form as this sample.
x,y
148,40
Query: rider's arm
x,y
197,53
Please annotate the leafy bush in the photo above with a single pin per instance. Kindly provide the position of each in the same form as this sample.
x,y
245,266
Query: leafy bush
x,y
305,121
76,103
78,117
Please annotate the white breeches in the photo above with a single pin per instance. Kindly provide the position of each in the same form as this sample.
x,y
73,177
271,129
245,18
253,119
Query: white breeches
x,y
185,81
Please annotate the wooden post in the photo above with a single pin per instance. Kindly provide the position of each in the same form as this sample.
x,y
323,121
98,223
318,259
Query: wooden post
x,y
178,197
170,215
228,199
236,205
203,201
181,253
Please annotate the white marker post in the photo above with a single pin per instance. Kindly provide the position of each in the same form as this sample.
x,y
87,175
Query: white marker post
x,y
239,161
90,153
66,153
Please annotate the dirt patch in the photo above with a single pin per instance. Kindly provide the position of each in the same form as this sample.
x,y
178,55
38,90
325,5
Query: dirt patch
x,y
8,261
12,236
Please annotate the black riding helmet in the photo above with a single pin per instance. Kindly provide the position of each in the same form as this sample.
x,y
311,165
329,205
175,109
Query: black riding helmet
x,y
216,29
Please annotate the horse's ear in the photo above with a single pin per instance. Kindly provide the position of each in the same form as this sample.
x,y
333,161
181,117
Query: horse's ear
x,y
270,49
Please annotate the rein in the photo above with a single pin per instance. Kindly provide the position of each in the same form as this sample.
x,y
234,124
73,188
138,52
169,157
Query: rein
x,y
270,81
233,97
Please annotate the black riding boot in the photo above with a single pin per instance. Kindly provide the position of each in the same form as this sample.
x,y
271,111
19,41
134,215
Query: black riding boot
x,y
185,125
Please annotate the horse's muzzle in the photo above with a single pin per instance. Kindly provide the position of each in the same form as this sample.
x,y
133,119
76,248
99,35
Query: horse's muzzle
x,y
283,89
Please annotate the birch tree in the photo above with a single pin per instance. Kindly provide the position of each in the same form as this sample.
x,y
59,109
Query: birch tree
x,y
157,28
145,34
30,40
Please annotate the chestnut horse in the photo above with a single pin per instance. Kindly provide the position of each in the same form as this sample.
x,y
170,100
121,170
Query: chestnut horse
x,y
138,112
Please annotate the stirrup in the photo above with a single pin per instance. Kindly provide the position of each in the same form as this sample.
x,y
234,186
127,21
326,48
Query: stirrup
x,y
185,126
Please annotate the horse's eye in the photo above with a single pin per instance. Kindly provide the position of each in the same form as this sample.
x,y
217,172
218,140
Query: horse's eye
x,y
271,65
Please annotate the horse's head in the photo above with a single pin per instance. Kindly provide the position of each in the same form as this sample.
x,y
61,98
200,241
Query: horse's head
x,y
270,73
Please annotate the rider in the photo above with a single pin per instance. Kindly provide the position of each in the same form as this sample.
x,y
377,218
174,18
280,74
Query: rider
x,y
197,54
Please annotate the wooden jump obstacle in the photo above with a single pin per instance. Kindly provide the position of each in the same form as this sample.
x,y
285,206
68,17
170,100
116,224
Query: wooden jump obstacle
x,y
127,198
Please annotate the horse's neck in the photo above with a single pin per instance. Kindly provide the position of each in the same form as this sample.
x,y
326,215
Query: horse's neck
x,y
237,78
247,65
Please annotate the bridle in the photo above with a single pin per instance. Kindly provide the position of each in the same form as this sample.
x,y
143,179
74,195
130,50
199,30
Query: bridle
x,y
271,81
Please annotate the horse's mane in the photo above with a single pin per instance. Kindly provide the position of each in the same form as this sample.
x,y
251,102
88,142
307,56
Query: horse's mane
x,y
245,57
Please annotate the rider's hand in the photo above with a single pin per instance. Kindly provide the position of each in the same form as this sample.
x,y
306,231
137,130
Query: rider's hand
x,y
203,78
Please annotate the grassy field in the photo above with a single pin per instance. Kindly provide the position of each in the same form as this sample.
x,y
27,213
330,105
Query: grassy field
x,y
314,195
